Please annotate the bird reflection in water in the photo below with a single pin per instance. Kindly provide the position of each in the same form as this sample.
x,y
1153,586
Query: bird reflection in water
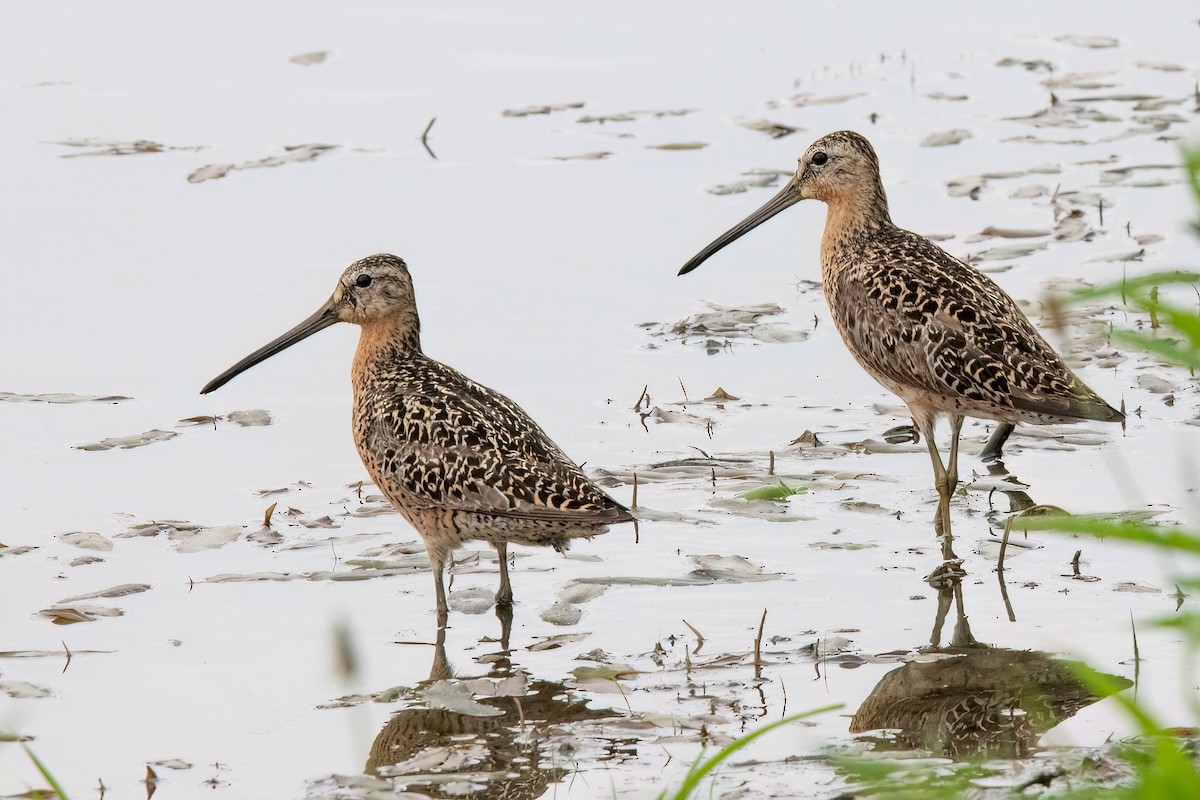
x,y
947,577
969,698
501,755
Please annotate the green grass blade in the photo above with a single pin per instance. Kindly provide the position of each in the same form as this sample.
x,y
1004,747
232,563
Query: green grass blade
x,y
1191,163
37,762
704,766
1185,321
1106,686
1163,538
1131,286
1173,351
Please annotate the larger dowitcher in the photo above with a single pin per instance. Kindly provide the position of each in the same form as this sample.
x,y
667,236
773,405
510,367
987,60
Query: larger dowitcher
x,y
938,333
458,460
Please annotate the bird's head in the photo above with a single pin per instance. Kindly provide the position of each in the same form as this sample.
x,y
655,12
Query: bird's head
x,y
840,169
374,292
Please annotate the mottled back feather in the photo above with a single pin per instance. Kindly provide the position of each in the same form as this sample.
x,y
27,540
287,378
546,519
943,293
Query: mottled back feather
x,y
917,317
937,332
432,438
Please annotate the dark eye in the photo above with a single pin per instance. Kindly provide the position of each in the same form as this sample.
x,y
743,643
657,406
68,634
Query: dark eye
x,y
819,157
363,281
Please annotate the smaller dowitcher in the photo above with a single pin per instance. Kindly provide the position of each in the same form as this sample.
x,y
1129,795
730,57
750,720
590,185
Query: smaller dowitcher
x,y
458,460
936,332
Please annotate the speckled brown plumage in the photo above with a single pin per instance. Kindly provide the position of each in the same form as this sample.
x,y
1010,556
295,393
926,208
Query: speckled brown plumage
x,y
978,701
458,460
940,333
935,331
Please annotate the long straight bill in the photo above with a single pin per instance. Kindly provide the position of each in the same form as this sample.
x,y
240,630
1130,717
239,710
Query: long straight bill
x,y
788,196
325,316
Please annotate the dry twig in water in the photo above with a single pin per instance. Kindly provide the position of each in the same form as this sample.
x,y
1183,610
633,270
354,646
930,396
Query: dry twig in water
x,y
758,645
1012,616
699,635
425,139
645,395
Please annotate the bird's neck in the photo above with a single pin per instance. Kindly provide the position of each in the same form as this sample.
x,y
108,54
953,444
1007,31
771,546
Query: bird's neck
x,y
853,216
386,341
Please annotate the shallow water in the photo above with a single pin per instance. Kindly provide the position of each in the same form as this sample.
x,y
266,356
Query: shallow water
x,y
536,276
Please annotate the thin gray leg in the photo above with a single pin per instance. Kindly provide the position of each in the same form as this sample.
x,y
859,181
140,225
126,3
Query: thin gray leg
x,y
956,423
504,596
925,424
441,667
437,560
994,449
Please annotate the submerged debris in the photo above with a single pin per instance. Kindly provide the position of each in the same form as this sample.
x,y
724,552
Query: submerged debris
x,y
991,232
128,442
63,398
1119,257
1126,175
1090,42
108,147
70,614
1008,252
114,591
529,111
678,146
196,539
756,179
455,697
88,540
311,58
716,329
773,491
971,185
1074,228
595,155
808,99
292,154
776,130
21,690
1161,66
945,138
251,418
1030,65
630,116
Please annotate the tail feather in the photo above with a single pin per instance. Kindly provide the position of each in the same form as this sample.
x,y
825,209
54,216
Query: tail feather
x,y
1081,404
